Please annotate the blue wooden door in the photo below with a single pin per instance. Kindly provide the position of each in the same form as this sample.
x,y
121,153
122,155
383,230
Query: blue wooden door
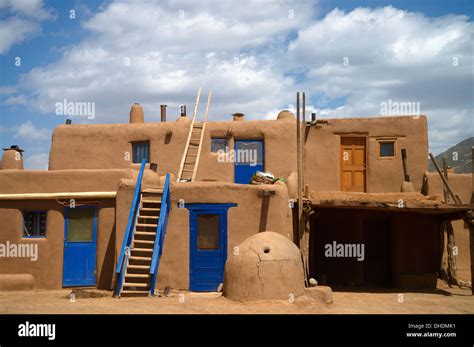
x,y
249,158
80,235
208,248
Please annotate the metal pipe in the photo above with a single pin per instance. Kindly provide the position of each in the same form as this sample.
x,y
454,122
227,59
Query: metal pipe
x,y
313,117
163,113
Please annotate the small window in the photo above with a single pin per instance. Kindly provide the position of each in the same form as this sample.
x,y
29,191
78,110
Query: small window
x,y
140,151
208,231
387,149
34,223
218,144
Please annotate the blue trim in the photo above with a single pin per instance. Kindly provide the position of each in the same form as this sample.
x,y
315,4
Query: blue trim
x,y
243,171
206,267
93,243
160,234
23,236
128,237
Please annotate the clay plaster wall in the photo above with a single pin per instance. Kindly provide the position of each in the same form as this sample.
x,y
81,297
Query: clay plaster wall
x,y
47,270
252,214
383,175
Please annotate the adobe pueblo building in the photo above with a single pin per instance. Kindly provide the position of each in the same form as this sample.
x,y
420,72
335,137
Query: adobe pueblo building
x,y
142,206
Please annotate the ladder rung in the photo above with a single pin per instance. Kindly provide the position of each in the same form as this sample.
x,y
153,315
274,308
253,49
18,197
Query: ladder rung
x,y
143,267
151,201
149,209
142,249
147,225
148,217
191,154
188,170
138,285
143,292
153,190
145,232
144,241
137,275
139,258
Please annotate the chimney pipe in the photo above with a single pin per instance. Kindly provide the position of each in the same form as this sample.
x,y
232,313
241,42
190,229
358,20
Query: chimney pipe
x,y
182,110
313,116
136,114
238,117
163,113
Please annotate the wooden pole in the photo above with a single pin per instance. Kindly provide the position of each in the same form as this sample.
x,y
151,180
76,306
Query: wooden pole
x,y
450,249
59,195
298,164
445,172
448,187
303,151
405,165
470,223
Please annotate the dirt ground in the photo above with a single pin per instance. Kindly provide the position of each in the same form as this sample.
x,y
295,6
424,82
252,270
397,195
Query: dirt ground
x,y
441,300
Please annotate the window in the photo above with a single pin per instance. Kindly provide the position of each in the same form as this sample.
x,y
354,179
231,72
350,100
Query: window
x,y
218,144
208,231
34,223
387,149
140,151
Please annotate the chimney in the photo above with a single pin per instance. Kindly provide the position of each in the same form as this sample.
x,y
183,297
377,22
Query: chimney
x,y
12,158
313,116
163,113
182,110
136,114
238,117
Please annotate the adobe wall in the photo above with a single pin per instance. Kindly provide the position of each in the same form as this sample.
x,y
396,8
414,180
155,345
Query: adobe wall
x,y
383,175
251,215
105,146
461,184
47,270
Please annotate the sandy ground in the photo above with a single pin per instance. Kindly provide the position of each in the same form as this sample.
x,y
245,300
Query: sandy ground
x,y
441,300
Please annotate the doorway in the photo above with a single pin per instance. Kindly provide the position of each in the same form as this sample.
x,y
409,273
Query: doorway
x,y
353,164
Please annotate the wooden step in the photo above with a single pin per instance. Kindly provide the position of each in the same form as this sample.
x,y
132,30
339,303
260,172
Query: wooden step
x,y
151,201
188,170
142,249
137,285
153,190
147,225
134,292
149,209
144,241
134,257
137,275
138,267
148,217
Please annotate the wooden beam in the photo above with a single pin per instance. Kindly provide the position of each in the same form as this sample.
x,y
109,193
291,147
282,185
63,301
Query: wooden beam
x,y
405,165
446,184
61,195
445,173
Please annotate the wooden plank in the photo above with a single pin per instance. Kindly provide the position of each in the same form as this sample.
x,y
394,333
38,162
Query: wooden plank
x,y
448,187
61,195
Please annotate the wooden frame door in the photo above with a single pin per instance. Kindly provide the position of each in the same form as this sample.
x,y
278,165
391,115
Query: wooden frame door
x,y
353,164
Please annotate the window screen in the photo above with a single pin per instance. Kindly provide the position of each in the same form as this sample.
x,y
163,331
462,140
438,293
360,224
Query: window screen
x,y
218,144
80,227
387,149
140,151
208,231
34,223
249,152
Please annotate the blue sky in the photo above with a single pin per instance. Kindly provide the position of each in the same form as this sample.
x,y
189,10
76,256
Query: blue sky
x,y
253,56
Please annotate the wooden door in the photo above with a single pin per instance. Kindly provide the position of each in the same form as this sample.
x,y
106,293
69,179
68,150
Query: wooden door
x,y
353,164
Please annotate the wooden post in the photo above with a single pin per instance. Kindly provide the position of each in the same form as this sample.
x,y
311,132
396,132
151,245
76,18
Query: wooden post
x,y
405,165
298,164
451,258
445,172
470,224
448,187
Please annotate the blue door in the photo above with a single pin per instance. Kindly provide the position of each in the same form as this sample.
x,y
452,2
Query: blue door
x,y
248,159
208,245
80,234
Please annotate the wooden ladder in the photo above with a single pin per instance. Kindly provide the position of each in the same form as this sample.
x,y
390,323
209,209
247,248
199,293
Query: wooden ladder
x,y
192,151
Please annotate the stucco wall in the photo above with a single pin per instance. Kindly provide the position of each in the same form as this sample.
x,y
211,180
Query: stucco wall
x,y
383,175
252,214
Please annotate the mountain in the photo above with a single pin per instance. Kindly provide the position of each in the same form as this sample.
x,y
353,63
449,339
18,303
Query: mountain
x,y
463,164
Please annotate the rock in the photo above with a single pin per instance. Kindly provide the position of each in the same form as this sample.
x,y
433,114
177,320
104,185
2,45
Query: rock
x,y
313,282
219,288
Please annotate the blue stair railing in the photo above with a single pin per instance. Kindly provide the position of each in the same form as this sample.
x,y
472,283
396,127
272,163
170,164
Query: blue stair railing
x,y
128,237
160,234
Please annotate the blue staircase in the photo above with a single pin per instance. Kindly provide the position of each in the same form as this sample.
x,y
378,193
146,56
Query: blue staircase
x,y
137,267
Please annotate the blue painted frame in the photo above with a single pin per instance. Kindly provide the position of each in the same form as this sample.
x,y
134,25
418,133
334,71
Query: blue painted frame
x,y
87,281
243,173
196,209
23,229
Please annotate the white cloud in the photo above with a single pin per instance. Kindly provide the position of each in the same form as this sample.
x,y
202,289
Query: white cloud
x,y
23,21
253,54
37,161
16,100
28,131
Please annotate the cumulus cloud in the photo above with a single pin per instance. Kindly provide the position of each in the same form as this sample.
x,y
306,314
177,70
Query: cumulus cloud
x,y
22,21
28,131
37,161
255,55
